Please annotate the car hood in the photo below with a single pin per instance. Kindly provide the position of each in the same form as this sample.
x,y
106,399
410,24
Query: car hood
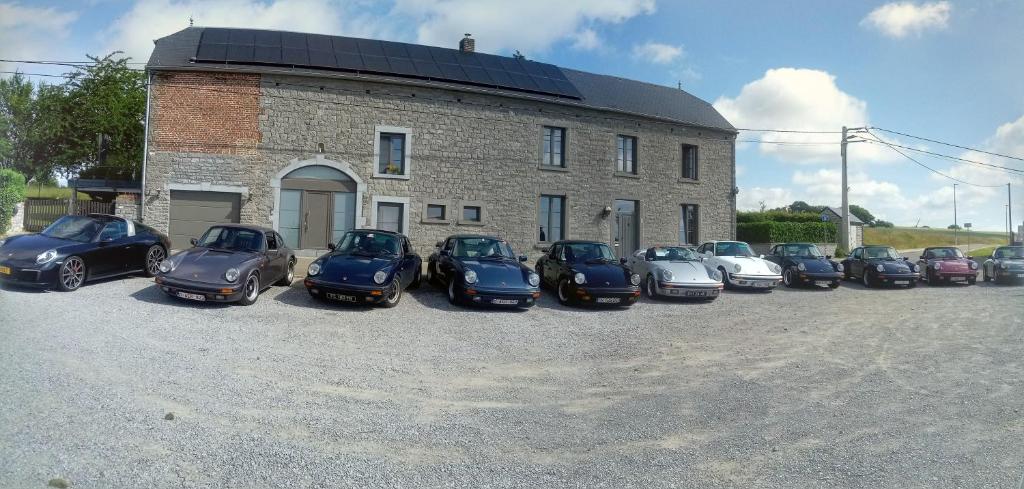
x,y
496,272
814,265
684,271
353,269
208,264
892,266
749,265
28,246
952,264
603,274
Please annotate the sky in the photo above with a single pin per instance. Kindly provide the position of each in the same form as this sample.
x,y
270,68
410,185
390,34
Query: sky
x,y
949,71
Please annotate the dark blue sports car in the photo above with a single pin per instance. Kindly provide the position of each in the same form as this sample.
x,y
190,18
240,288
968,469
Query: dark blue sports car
x,y
482,270
804,264
586,272
368,266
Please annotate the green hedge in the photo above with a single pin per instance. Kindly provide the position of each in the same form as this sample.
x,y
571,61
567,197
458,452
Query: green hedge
x,y
777,216
12,191
786,232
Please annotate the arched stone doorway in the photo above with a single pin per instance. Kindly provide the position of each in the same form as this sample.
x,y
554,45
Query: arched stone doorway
x,y
316,201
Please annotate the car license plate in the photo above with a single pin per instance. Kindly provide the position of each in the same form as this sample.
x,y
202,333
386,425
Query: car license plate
x,y
505,302
343,298
5,270
762,284
608,300
902,282
696,293
822,282
195,297
1020,275
957,279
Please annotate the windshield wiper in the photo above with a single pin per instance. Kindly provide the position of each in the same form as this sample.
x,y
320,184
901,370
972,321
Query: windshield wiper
x,y
598,260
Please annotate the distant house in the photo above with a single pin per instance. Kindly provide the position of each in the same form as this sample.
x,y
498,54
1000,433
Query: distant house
x,y
831,214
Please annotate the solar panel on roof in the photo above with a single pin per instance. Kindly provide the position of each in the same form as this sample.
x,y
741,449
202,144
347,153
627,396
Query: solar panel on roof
x,y
384,57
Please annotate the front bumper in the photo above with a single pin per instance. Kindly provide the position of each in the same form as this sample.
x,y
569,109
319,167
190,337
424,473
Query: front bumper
x,y
690,291
754,281
955,276
498,297
813,278
199,291
346,293
896,278
39,276
1011,275
613,296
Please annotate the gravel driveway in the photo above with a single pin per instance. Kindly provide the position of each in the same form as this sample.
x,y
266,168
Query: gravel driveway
x,y
807,388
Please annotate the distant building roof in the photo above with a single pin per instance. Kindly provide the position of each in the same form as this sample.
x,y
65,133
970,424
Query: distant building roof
x,y
180,51
853,218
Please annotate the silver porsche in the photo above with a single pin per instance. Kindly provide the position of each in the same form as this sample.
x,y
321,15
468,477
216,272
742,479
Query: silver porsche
x,y
675,271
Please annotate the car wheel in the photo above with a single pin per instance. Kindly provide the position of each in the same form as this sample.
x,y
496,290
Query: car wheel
x,y
72,274
289,276
787,277
984,275
154,256
866,278
251,290
725,277
834,285
652,287
563,292
431,278
392,294
972,280
453,297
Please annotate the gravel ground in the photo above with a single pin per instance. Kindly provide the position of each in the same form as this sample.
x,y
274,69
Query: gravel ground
x,y
807,388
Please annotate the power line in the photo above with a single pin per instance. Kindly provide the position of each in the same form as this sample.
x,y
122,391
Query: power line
x,y
1003,168
787,143
791,131
949,144
34,74
68,63
934,170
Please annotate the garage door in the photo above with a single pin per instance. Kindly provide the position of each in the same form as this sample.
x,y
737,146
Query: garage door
x,y
192,213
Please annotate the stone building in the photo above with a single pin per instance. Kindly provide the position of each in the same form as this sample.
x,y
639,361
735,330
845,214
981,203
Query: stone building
x,y
313,135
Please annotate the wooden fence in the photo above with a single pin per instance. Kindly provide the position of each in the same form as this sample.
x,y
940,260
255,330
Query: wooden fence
x,y
40,213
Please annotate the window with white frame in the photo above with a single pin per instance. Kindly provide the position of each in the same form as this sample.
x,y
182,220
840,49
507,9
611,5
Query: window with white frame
x,y
392,148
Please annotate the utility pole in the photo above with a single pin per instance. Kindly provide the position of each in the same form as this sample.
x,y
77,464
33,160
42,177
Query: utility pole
x,y
844,228
956,238
1009,212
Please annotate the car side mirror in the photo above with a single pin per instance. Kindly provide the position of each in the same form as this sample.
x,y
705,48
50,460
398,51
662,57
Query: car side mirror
x,y
523,258
439,244
622,260
905,258
193,241
545,249
828,257
444,252
331,246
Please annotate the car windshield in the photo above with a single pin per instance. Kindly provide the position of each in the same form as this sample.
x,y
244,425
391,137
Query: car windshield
x,y
943,253
1010,252
801,251
481,248
671,253
732,248
232,238
587,252
76,228
881,253
368,243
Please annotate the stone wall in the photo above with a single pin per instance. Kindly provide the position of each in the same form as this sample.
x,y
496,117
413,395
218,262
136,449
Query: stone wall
x,y
464,148
17,220
127,206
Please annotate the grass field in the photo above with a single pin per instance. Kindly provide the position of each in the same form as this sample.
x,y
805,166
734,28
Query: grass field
x,y
46,192
913,238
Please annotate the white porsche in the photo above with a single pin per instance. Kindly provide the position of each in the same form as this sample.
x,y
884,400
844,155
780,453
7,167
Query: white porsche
x,y
675,271
739,266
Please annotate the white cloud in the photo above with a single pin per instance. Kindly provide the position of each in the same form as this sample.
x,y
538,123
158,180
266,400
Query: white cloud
x,y
586,40
800,99
28,32
750,199
527,25
658,53
900,19
134,31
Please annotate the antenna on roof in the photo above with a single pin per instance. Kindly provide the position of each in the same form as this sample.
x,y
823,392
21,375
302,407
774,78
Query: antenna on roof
x,y
190,21
680,84
518,55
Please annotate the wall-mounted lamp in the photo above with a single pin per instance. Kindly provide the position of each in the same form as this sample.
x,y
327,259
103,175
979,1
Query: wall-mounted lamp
x,y
607,211
735,190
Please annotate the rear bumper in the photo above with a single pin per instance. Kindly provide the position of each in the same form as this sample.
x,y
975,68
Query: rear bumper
x,y
209,292
354,294
497,297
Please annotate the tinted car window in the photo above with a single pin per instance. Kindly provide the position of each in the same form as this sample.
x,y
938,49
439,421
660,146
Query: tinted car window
x,y
481,247
114,230
732,248
671,253
271,241
801,251
881,252
369,243
583,252
76,228
230,238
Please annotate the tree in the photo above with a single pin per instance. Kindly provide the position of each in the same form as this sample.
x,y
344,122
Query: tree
x,y
953,226
882,224
801,206
862,214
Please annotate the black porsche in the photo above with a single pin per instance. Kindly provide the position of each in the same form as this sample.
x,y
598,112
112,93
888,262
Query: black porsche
x,y
804,264
482,270
76,249
586,272
229,263
880,265
368,266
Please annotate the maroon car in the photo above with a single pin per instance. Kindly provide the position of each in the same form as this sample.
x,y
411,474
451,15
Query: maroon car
x,y
947,264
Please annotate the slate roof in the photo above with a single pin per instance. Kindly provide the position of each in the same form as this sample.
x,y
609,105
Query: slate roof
x,y
602,92
853,218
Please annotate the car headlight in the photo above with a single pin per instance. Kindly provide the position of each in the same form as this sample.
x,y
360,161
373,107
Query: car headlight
x,y
777,269
533,279
314,269
470,277
717,275
634,279
880,268
737,268
579,278
46,257
800,266
666,275
839,267
974,265
167,266
1003,266
231,275
380,276
937,266
915,268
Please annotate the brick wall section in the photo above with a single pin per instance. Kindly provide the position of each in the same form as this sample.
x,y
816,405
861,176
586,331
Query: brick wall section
x,y
210,113
470,150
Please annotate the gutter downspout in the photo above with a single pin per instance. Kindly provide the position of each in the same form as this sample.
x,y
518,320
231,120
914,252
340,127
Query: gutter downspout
x,y
145,149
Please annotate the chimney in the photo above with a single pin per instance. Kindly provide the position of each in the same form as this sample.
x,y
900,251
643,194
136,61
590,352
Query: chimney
x,y
467,44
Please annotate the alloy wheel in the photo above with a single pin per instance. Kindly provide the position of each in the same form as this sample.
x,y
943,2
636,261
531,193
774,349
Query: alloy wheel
x,y
72,273
652,290
155,256
451,292
394,292
787,277
563,292
252,287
